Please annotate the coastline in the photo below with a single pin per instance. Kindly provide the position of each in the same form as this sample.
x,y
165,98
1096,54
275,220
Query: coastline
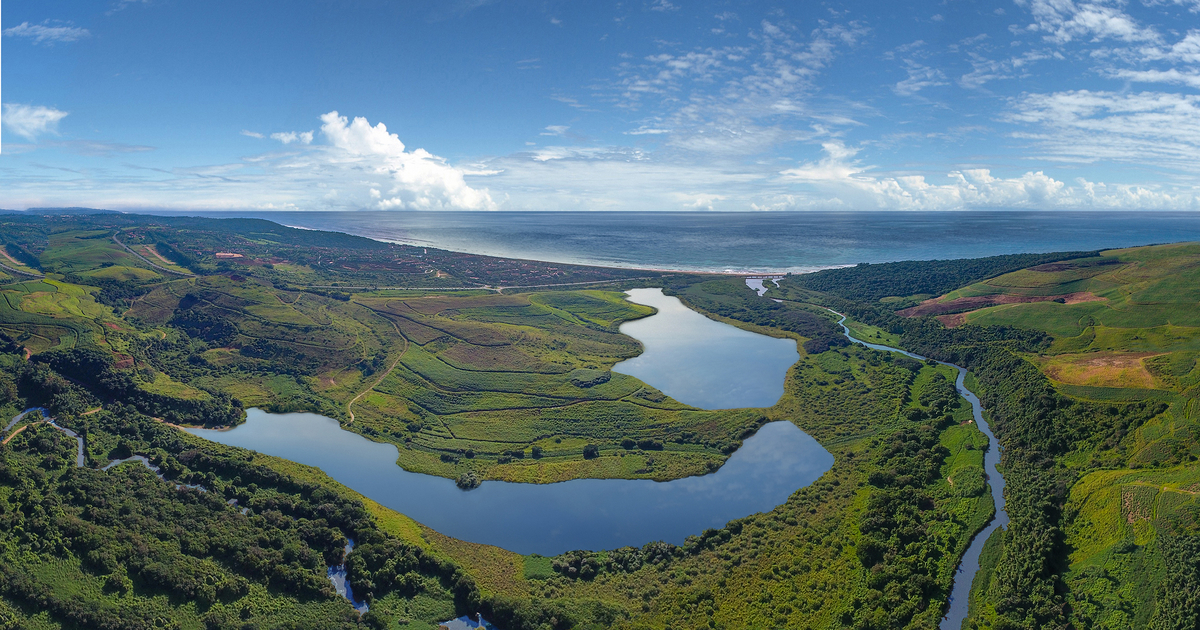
x,y
734,244
706,272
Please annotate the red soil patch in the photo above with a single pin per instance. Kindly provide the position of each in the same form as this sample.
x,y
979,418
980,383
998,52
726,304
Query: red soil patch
x,y
1067,265
11,259
124,361
150,248
965,305
952,321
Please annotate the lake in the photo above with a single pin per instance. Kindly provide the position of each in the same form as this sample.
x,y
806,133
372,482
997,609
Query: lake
x,y
545,518
688,356
702,362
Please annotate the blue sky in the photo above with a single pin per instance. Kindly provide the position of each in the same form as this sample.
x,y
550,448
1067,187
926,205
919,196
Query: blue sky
x,y
636,105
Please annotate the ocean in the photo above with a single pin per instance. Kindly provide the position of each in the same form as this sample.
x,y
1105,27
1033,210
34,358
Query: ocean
x,y
776,242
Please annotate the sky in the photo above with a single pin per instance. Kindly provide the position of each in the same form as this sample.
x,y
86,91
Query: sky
x,y
643,105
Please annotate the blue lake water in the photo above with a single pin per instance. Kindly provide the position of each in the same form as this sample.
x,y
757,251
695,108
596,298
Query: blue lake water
x,y
702,362
749,241
723,367
548,518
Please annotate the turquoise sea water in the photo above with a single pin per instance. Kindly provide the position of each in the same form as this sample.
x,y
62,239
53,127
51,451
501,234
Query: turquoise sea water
x,y
763,242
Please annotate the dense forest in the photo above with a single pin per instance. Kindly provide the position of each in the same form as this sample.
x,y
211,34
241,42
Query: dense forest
x,y
871,282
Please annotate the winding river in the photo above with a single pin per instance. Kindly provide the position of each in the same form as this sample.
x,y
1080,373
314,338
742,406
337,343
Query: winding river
x,y
959,594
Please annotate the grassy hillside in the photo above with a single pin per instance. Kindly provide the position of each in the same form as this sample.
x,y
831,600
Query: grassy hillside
x,y
465,382
1100,424
1135,338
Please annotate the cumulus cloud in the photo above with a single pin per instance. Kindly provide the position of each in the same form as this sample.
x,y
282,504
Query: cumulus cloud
x,y
699,201
47,32
418,179
836,165
846,183
288,137
31,121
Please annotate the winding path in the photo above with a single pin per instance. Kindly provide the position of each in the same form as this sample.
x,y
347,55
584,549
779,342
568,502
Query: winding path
x,y
960,592
80,460
150,262
381,377
19,272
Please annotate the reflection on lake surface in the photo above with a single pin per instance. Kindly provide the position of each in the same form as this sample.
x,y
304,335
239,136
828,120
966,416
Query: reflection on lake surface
x,y
549,518
702,362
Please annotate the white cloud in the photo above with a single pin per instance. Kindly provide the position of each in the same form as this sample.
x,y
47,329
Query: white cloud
x,y
919,78
252,134
1157,128
288,137
419,180
546,154
554,130
663,5
1063,21
699,201
122,4
842,182
740,100
1186,50
1192,5
647,131
30,121
833,167
47,32
1190,79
